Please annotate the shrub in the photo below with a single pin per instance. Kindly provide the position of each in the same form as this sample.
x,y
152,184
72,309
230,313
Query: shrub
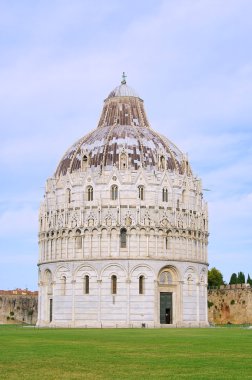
x,y
232,302
209,304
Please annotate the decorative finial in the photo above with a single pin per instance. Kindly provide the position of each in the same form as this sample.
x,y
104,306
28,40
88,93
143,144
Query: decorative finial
x,y
124,76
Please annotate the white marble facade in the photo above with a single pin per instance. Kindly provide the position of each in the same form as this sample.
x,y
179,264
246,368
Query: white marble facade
x,y
123,229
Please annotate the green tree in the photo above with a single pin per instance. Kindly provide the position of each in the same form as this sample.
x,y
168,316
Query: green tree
x,y
233,279
241,278
249,280
215,277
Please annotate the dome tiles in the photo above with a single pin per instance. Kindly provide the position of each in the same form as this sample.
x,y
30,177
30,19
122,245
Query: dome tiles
x,y
124,127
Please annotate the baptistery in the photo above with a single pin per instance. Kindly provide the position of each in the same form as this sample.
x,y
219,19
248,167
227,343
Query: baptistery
x,y
123,228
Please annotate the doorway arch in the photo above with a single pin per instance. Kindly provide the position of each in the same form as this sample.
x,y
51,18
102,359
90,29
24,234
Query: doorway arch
x,y
168,296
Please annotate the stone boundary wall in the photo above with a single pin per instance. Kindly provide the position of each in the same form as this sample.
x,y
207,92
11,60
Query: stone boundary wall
x,y
230,304
19,292
18,308
235,286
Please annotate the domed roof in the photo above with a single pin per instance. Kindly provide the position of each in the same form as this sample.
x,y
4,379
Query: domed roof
x,y
123,129
123,90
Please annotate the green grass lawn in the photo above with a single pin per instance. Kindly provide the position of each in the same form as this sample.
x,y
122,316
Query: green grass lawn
x,y
214,353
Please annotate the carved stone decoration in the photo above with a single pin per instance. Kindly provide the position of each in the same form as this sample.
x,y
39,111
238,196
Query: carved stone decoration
x,y
165,222
109,222
166,219
128,221
60,221
90,222
191,221
109,219
73,223
91,219
50,221
74,219
146,219
180,220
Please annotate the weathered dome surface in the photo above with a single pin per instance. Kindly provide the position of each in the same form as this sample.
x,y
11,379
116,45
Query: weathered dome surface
x,y
123,90
124,128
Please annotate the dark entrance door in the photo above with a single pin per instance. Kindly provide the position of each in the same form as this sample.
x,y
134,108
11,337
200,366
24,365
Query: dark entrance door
x,y
51,309
165,307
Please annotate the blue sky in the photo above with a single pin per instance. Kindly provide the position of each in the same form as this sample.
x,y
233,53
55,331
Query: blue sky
x,y
191,62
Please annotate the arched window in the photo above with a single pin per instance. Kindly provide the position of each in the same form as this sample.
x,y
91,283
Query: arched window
x,y
165,195
162,163
84,162
78,240
63,285
123,238
141,285
162,278
202,285
48,281
113,284
141,192
166,278
177,203
184,196
187,167
190,284
68,195
169,278
114,192
89,193
86,284
123,161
